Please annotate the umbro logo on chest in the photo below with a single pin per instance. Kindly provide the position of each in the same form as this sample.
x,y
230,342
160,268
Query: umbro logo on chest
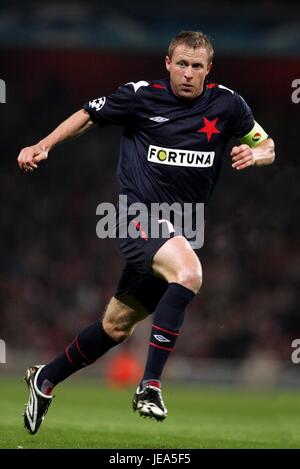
x,y
159,119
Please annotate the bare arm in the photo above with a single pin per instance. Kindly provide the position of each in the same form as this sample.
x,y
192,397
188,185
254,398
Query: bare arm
x,y
72,127
262,154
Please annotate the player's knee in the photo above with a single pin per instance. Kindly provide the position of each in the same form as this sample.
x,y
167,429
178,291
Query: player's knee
x,y
190,278
115,331
120,335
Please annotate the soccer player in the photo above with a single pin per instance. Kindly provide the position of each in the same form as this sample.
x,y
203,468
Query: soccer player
x,y
175,131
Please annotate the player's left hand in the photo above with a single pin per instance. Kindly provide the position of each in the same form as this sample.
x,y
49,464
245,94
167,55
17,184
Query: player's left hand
x,y
242,156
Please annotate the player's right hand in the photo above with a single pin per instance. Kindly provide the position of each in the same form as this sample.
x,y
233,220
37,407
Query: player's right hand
x,y
29,157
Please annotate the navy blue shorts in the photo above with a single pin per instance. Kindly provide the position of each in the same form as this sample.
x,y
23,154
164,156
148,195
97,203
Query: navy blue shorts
x,y
146,289
137,278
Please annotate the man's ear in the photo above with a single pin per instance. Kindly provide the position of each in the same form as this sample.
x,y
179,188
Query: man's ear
x,y
168,62
209,67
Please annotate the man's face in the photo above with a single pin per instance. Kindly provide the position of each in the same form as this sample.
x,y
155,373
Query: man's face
x,y
188,68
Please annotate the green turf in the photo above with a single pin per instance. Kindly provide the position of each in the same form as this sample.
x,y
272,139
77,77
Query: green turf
x,y
85,414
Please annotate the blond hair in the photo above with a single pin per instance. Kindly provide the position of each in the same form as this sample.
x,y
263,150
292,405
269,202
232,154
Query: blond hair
x,y
192,39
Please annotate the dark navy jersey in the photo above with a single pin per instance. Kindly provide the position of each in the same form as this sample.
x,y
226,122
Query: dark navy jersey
x,y
171,149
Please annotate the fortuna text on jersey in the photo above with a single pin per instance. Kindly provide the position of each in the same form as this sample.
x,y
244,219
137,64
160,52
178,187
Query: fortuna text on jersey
x,y
176,157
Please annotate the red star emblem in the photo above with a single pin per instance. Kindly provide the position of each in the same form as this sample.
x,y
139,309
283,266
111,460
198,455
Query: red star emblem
x,y
209,128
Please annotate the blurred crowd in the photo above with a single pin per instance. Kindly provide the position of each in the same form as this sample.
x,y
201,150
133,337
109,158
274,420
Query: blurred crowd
x,y
57,276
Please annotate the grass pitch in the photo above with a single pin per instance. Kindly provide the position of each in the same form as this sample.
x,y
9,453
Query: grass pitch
x,y
86,414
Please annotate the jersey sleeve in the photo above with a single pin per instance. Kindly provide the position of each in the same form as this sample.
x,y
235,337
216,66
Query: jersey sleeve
x,y
115,109
242,117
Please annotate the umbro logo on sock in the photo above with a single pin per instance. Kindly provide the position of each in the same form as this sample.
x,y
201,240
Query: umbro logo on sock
x,y
161,338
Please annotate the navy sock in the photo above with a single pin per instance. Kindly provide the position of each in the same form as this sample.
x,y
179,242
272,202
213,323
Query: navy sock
x,y
167,321
89,345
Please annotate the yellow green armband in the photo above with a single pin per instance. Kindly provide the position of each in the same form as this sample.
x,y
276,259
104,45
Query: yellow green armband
x,y
255,136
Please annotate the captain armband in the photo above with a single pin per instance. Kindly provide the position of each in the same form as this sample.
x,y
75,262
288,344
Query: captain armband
x,y
255,136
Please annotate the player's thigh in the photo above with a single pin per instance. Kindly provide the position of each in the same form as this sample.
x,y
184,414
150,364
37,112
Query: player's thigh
x,y
176,261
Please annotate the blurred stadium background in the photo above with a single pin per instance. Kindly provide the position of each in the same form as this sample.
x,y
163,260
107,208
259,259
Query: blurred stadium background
x,y
57,276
